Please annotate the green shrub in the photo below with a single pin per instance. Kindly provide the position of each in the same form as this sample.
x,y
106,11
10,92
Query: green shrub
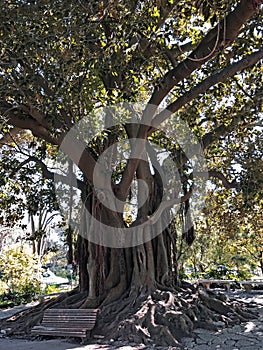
x,y
20,273
3,287
226,272
51,289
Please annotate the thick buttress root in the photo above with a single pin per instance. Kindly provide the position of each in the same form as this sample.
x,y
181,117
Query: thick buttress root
x,y
163,317
158,317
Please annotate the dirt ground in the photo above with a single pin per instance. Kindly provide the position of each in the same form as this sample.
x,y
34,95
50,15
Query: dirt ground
x,y
21,344
57,344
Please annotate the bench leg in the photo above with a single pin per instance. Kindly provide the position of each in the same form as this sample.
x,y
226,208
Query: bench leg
x,y
85,339
247,287
227,287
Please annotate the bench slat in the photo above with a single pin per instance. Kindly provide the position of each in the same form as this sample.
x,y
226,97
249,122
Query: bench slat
x,y
69,325
72,317
71,311
62,318
60,332
50,328
68,321
55,325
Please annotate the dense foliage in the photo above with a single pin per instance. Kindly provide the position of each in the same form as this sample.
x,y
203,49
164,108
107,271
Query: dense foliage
x,y
21,275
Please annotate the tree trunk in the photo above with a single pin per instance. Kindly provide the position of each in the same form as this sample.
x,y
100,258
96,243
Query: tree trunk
x,y
261,262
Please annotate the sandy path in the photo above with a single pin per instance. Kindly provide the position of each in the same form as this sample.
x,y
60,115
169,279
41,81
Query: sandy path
x,y
56,344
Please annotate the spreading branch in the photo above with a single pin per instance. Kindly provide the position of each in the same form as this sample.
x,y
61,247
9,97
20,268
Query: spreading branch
x,y
73,147
214,42
49,175
227,184
26,122
212,80
213,174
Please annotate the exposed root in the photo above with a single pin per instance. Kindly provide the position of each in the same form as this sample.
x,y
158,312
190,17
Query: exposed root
x,y
163,318
159,317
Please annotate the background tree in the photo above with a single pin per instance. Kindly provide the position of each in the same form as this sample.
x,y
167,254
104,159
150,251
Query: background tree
x,y
25,192
230,231
200,61
230,234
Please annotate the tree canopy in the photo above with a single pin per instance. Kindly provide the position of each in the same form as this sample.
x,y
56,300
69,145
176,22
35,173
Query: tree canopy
x,y
200,61
56,65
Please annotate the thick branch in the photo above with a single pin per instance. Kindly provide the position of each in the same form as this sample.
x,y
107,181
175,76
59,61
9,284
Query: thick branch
x,y
214,79
227,184
26,122
49,174
35,114
73,147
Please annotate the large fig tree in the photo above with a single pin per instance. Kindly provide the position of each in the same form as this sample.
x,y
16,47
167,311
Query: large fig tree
x,y
65,70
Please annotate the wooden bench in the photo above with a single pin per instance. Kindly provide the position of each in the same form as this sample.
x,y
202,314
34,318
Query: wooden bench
x,y
249,284
207,283
67,322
